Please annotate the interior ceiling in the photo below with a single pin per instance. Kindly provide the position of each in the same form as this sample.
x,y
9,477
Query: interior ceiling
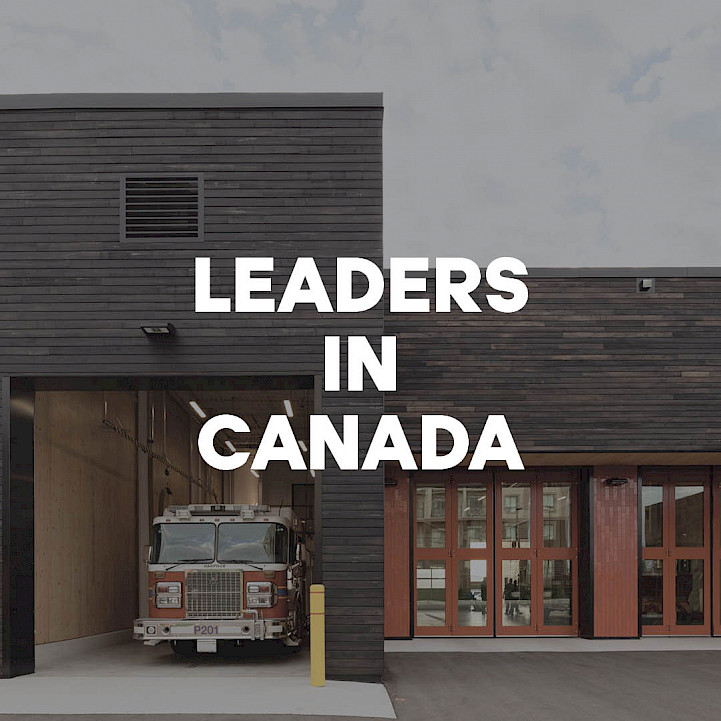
x,y
255,407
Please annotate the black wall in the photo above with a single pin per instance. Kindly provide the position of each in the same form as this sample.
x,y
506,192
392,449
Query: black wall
x,y
299,180
589,364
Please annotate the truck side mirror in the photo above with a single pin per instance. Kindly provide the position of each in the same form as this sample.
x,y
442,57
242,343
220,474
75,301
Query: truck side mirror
x,y
148,551
298,553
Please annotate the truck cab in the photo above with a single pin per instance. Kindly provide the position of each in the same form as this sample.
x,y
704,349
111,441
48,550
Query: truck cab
x,y
225,574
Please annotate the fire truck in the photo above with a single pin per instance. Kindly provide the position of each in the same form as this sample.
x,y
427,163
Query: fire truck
x,y
222,575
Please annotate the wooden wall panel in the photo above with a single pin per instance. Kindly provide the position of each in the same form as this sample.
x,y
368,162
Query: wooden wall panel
x,y
615,552
588,364
397,601
85,516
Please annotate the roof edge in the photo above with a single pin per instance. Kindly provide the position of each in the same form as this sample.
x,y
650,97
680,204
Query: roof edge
x,y
137,101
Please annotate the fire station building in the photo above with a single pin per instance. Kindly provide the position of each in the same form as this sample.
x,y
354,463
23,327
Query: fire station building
x,y
607,378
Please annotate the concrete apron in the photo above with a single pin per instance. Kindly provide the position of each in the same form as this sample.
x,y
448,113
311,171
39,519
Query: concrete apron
x,y
552,644
108,675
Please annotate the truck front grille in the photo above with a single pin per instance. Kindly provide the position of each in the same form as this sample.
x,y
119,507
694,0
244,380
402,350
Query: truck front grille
x,y
214,594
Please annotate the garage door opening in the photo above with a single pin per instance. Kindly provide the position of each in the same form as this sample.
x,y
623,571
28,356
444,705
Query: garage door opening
x,y
111,455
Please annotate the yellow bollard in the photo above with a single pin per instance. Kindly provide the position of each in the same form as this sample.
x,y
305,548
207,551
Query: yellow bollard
x,y
317,634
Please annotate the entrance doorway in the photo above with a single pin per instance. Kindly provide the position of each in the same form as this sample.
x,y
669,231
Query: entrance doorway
x,y
675,565
496,553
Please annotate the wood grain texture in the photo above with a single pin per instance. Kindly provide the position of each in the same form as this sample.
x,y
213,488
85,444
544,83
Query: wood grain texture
x,y
85,516
589,365
615,552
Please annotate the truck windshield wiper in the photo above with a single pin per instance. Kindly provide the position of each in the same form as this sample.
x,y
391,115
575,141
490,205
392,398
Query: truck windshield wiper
x,y
190,560
241,560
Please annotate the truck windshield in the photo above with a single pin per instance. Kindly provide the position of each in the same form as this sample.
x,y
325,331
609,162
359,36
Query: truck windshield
x,y
183,542
252,542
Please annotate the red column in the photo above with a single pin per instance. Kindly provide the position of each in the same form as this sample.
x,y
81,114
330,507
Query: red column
x,y
615,552
397,556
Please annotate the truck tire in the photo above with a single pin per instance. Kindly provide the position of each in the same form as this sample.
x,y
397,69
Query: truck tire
x,y
184,649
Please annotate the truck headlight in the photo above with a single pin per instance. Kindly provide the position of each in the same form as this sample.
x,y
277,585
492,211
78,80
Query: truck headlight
x,y
167,594
260,594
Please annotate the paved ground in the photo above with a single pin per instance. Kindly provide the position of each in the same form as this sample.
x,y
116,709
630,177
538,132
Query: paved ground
x,y
527,686
627,686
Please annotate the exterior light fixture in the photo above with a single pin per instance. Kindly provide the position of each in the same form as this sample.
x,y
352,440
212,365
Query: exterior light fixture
x,y
230,445
312,473
303,447
201,413
166,330
645,285
255,473
616,481
288,408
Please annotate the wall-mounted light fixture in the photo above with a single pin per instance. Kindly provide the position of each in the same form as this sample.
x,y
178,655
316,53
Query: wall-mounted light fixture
x,y
255,473
288,408
616,481
166,330
645,285
303,447
230,445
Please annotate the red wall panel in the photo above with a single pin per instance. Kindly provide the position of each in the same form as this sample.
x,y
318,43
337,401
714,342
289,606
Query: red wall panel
x,y
615,551
397,601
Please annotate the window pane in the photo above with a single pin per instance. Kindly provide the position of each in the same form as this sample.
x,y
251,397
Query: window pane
x,y
517,593
183,542
689,515
430,517
472,593
652,592
557,515
689,591
652,532
252,543
431,593
557,593
472,511
516,515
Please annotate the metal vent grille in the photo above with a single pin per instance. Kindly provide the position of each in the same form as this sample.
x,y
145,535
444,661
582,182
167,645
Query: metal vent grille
x,y
214,594
162,206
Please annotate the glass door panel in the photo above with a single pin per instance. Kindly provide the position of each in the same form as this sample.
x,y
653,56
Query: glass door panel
x,y
430,517
689,516
557,515
516,592
675,589
652,529
689,592
472,517
652,592
473,593
516,515
557,593
431,594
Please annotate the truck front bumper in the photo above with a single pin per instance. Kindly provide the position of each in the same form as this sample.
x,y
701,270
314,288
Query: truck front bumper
x,y
155,630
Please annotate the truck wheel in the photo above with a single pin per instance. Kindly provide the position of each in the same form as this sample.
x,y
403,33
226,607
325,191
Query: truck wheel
x,y
184,649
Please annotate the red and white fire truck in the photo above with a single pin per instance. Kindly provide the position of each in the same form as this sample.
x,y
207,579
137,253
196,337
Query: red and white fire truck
x,y
222,575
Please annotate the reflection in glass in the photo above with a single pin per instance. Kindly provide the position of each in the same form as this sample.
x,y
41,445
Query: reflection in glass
x,y
652,592
516,515
557,593
689,591
652,499
472,590
431,593
472,511
517,592
689,515
430,517
557,515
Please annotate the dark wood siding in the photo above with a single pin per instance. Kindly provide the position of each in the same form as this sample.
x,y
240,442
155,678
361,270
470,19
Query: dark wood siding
x,y
588,365
281,182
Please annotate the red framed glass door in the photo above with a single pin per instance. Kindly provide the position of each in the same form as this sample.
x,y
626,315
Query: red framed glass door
x,y
453,558
675,595
536,544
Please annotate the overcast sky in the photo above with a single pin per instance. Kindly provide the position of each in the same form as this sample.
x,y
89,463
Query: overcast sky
x,y
567,133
